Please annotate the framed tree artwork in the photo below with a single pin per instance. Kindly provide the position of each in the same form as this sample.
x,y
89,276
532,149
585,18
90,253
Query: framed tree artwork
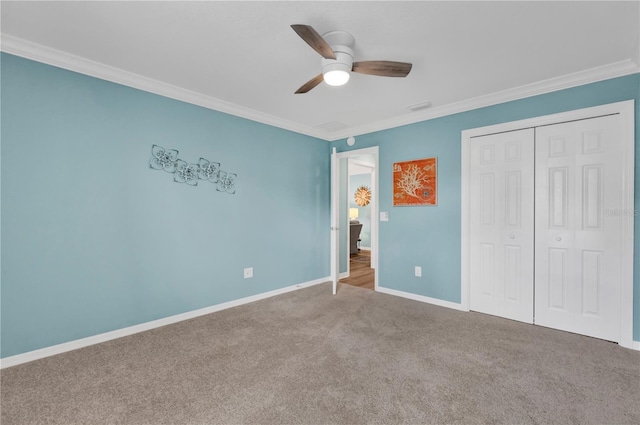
x,y
415,182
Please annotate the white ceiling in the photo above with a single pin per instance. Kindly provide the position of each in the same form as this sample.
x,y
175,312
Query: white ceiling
x,y
243,57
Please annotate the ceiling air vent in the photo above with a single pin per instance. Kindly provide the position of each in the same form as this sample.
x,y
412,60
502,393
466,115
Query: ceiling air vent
x,y
332,126
420,106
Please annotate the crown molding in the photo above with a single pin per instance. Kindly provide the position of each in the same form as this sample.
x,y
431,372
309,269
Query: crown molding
x,y
37,52
592,75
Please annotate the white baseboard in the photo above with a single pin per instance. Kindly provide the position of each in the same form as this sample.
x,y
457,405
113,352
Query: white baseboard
x,y
421,298
634,345
119,333
365,248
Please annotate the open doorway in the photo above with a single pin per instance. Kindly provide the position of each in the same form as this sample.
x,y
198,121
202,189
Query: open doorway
x,y
357,210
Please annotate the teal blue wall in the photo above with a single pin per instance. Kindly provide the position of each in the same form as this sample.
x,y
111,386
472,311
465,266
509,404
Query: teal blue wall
x,y
93,240
430,236
364,213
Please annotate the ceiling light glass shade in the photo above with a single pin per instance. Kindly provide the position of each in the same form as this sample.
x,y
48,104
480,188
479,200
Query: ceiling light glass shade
x,y
337,77
337,72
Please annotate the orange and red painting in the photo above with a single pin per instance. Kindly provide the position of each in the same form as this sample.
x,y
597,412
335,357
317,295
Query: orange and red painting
x,y
415,182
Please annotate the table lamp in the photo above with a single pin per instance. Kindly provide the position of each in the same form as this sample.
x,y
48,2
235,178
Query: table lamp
x,y
353,214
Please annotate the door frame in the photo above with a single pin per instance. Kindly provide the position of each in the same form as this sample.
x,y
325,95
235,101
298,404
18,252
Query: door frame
x,y
375,204
334,259
625,110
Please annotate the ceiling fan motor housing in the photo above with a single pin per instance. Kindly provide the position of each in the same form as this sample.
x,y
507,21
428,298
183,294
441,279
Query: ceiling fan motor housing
x,y
343,61
342,44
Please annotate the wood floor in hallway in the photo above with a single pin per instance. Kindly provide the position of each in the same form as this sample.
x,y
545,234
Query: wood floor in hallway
x,y
360,272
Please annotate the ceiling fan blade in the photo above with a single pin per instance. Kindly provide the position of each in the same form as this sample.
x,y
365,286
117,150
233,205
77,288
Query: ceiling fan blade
x,y
310,84
315,40
383,68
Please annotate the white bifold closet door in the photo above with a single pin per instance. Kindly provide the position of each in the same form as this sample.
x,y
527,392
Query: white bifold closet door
x,y
501,215
577,232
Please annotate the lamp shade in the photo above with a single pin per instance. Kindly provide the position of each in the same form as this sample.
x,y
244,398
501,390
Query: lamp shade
x,y
353,213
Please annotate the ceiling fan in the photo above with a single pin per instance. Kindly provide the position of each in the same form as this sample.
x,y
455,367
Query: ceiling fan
x,y
336,49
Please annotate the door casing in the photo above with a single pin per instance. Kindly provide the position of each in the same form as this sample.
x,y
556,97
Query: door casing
x,y
626,111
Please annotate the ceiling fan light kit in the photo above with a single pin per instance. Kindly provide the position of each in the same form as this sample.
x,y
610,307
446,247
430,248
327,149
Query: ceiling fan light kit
x,y
336,49
336,72
335,75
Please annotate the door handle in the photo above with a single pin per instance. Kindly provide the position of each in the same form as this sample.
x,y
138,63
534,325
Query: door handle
x,y
512,236
558,238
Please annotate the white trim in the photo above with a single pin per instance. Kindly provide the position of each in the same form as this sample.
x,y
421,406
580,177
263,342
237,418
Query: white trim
x,y
347,254
626,111
335,222
577,114
592,75
119,333
421,298
26,49
626,291
465,226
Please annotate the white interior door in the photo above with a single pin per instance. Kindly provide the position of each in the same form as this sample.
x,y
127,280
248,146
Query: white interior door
x,y
578,239
335,219
501,246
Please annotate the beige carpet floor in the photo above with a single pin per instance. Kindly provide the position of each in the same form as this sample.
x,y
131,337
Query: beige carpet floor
x,y
307,357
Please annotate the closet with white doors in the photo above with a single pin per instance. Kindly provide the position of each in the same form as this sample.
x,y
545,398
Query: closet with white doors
x,y
545,225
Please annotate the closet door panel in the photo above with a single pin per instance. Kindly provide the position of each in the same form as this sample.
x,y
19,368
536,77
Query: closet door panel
x,y
501,254
577,269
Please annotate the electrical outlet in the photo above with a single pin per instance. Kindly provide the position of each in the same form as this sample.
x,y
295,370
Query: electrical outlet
x,y
248,272
418,271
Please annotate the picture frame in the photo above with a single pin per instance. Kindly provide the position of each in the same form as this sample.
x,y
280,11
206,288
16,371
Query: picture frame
x,y
415,182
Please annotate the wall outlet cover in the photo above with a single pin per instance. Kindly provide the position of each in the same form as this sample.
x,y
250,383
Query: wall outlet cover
x,y
248,272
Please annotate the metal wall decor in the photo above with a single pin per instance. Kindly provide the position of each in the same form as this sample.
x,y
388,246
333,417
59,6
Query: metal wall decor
x,y
362,196
189,173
